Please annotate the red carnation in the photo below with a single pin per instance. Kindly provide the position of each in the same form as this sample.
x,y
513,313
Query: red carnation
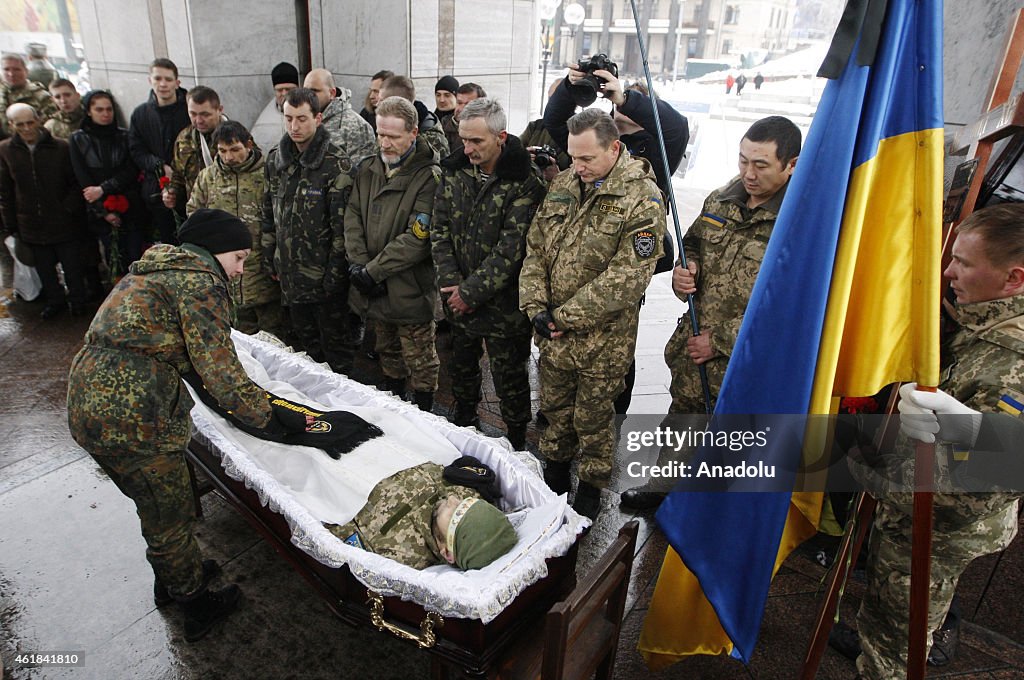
x,y
164,181
116,203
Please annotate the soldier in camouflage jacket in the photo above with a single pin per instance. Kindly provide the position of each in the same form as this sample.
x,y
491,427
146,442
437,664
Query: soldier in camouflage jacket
x,y
303,236
725,246
414,516
126,402
983,368
478,243
590,254
387,236
238,188
20,90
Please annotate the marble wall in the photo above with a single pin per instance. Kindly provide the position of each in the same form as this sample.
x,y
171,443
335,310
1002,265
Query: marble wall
x,y
490,42
974,31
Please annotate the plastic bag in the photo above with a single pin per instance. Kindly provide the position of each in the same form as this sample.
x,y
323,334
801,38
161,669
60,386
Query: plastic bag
x,y
27,285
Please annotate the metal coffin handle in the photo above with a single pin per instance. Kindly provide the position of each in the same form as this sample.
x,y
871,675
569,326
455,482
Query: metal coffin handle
x,y
426,638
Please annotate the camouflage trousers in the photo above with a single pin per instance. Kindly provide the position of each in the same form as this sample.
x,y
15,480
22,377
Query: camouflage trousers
x,y
685,388
580,377
884,612
268,317
408,351
687,396
321,329
159,485
508,359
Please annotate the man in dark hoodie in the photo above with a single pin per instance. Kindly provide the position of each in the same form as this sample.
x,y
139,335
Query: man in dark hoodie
x,y
482,211
154,128
303,237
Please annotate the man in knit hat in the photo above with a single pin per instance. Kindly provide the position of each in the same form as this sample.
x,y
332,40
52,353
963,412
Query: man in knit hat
x,y
127,407
269,127
444,106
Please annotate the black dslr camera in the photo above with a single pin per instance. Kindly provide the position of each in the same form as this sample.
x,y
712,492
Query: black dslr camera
x,y
585,91
544,156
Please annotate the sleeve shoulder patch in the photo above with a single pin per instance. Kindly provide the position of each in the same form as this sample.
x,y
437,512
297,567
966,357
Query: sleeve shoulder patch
x,y
644,243
421,226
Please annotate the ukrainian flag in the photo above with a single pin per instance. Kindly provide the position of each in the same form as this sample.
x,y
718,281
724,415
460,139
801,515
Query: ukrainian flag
x,y
846,302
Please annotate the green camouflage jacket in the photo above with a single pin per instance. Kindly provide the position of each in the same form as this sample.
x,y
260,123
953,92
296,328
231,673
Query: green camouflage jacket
x,y
33,94
589,257
478,239
983,367
303,222
239,191
396,520
167,317
387,228
187,162
349,132
62,125
728,241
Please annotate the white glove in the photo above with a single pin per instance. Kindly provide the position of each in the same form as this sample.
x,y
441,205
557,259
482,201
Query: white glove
x,y
923,415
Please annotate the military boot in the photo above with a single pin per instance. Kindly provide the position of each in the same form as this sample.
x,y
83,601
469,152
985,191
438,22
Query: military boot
x,y
465,415
556,476
517,436
394,385
205,608
162,596
588,500
423,399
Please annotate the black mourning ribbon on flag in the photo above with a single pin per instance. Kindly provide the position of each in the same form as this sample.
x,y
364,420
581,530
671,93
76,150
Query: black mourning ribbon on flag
x,y
861,18
335,432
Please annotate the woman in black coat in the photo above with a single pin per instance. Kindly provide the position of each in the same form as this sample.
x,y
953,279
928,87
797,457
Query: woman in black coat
x,y
104,166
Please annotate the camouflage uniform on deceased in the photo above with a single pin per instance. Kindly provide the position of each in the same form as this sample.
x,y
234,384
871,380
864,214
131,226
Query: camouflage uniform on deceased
x,y
349,132
396,520
303,241
727,242
983,361
387,229
128,408
239,190
62,125
590,255
478,243
187,161
31,93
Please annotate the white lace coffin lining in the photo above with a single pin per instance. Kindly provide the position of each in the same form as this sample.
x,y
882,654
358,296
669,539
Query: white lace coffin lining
x,y
307,487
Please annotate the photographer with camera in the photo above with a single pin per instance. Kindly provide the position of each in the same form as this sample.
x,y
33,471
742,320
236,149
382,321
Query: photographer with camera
x,y
632,114
542,147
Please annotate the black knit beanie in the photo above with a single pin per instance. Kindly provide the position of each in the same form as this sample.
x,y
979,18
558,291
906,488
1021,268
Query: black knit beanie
x,y
215,231
447,84
285,73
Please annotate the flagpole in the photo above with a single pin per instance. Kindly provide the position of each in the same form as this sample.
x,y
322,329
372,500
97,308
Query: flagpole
x,y
690,298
